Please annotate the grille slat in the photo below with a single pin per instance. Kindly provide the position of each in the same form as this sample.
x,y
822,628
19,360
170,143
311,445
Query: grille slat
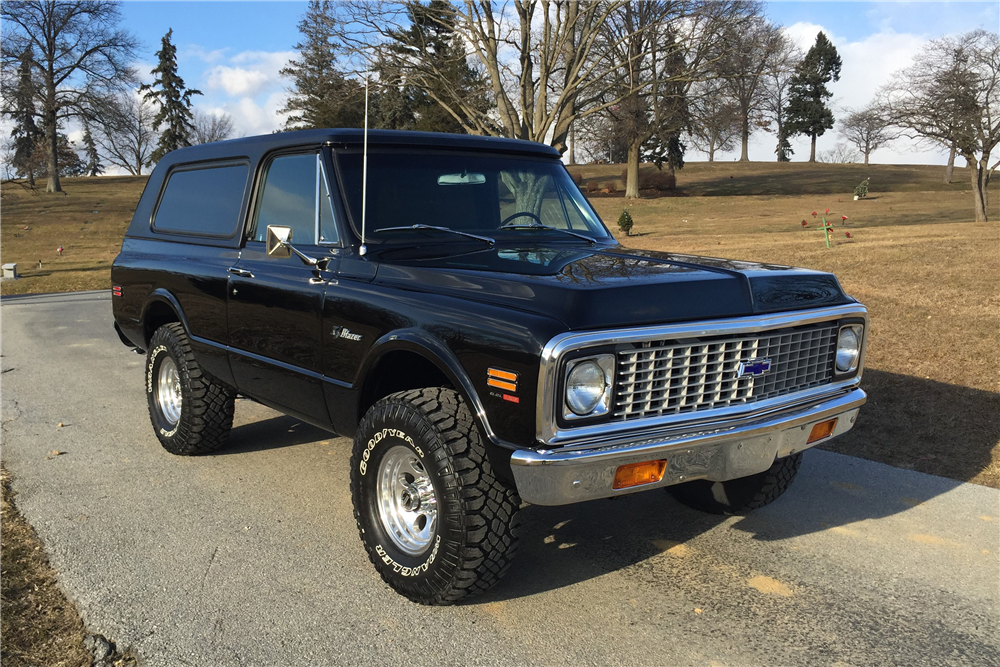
x,y
668,377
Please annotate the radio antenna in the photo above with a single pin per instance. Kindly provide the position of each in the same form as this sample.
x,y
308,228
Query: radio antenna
x,y
364,175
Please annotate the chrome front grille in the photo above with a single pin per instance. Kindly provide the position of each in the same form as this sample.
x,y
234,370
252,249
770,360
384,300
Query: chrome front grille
x,y
669,377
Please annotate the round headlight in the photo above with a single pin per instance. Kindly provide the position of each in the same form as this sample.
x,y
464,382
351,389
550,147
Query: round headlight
x,y
585,387
848,348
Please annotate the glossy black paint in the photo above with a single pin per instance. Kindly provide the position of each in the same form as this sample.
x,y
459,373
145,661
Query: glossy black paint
x,y
319,344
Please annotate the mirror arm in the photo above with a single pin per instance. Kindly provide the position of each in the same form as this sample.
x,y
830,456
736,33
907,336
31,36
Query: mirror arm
x,y
306,259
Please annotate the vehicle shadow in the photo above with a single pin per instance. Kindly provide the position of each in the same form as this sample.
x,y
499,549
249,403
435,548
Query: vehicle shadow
x,y
562,546
274,433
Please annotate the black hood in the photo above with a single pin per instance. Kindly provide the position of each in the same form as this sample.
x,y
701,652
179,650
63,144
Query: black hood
x,y
609,286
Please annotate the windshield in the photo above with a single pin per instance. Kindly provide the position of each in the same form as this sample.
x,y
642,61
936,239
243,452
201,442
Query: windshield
x,y
492,195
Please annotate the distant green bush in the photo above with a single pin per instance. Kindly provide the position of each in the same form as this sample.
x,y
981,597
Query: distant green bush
x,y
862,190
625,222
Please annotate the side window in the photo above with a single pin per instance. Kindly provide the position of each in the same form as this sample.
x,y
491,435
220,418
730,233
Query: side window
x,y
202,202
289,198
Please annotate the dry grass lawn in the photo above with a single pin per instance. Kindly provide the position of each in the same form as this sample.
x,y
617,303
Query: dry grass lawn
x,y
88,222
39,625
929,276
930,279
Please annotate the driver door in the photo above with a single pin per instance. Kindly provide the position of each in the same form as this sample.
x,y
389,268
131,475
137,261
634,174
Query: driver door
x,y
276,303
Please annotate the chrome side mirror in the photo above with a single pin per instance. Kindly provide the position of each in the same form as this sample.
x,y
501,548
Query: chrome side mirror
x,y
279,241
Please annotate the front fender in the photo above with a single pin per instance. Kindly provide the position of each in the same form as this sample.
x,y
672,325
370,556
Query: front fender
x,y
433,350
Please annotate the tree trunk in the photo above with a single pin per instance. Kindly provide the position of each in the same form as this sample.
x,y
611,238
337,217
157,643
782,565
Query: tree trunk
x,y
572,144
51,138
51,160
866,157
978,174
711,152
812,149
632,170
745,141
949,170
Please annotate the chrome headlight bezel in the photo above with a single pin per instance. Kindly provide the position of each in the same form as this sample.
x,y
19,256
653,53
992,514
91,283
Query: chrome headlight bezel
x,y
853,358
602,407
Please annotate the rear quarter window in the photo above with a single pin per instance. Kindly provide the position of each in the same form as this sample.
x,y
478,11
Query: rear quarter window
x,y
202,201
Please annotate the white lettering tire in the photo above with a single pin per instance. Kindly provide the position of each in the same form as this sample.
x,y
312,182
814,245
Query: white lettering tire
x,y
436,522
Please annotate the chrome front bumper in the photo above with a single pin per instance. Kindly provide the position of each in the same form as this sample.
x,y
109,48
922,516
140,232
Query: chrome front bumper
x,y
566,475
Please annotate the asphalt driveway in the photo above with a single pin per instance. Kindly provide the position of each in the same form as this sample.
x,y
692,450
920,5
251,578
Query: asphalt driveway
x,y
251,556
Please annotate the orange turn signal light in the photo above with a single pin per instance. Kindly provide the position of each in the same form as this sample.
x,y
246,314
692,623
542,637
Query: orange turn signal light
x,y
636,474
821,430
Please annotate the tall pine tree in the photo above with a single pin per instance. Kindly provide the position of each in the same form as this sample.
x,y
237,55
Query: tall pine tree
x,y
321,95
433,59
26,134
93,166
174,99
807,112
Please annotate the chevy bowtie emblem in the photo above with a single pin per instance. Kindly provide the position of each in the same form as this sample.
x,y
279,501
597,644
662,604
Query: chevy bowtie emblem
x,y
754,368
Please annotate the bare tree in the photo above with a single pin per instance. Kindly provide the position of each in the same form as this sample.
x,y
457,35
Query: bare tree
x,y
124,131
841,153
868,129
209,127
660,50
749,50
777,80
715,119
81,57
951,95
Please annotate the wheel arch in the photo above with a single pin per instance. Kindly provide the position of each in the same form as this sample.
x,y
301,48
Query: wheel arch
x,y
431,358
161,308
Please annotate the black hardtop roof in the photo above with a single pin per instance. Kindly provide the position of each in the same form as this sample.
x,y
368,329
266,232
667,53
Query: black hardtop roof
x,y
253,147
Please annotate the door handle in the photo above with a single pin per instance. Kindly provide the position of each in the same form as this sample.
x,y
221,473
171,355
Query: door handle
x,y
240,272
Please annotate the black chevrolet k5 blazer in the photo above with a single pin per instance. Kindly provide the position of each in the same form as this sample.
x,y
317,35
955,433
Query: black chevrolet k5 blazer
x,y
466,317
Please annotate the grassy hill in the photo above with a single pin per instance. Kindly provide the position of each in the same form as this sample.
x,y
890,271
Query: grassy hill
x,y
929,275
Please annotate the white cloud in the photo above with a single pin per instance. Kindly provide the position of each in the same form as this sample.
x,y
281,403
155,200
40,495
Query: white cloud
x,y
236,81
249,73
201,53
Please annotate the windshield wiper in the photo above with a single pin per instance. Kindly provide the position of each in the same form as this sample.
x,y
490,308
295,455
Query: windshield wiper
x,y
554,229
439,229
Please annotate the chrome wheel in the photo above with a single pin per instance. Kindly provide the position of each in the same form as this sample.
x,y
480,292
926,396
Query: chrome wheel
x,y
407,505
168,391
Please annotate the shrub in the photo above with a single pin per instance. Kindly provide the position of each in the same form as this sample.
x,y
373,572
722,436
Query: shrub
x,y
652,179
660,181
625,222
577,177
592,186
862,190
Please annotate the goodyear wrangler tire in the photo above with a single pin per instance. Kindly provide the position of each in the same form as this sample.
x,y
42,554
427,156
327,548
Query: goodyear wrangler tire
x,y
191,413
436,522
739,496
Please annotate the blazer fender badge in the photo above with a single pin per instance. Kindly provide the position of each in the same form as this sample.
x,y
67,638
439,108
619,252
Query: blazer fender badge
x,y
344,332
753,368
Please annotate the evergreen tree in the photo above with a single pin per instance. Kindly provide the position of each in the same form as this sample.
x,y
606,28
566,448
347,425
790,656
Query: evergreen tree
x,y
392,100
784,150
321,95
26,134
807,112
69,160
174,99
438,76
93,166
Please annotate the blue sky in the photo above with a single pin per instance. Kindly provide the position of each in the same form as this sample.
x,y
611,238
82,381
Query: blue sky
x,y
232,51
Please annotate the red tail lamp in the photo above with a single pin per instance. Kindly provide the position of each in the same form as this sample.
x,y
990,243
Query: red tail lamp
x,y
637,474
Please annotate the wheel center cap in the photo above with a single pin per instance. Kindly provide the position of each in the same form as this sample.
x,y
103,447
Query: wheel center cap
x,y
410,498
